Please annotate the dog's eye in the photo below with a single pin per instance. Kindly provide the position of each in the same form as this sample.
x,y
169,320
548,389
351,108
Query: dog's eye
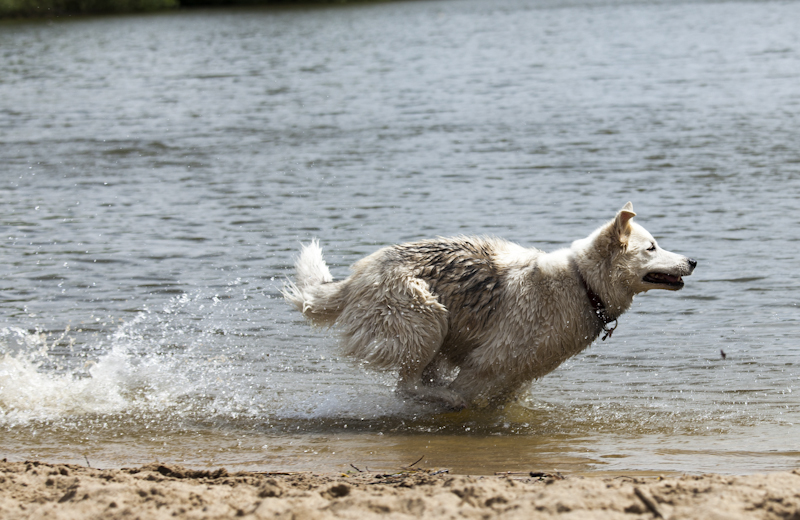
x,y
652,247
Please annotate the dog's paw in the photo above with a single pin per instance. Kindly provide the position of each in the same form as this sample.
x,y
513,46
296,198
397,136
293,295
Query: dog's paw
x,y
456,407
444,397
452,401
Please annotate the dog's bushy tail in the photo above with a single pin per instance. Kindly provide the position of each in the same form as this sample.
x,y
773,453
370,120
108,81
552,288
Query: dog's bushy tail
x,y
314,293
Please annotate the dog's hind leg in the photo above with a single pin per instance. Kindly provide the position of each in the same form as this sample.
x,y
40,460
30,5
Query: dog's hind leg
x,y
439,372
423,380
411,385
486,387
398,324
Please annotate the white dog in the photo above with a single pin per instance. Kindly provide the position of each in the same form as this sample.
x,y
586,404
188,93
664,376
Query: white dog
x,y
496,314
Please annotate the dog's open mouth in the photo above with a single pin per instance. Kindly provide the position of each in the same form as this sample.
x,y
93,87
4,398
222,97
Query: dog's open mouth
x,y
669,280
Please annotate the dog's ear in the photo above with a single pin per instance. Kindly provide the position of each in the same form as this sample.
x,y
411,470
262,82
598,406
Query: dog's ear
x,y
622,223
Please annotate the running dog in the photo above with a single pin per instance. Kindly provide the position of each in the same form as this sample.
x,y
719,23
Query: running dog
x,y
496,314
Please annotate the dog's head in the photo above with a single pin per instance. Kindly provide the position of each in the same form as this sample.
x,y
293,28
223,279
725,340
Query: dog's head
x,y
632,257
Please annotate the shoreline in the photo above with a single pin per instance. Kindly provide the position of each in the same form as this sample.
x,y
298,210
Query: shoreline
x,y
35,489
50,9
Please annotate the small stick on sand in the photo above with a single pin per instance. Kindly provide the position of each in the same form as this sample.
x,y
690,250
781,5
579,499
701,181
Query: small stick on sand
x,y
648,501
416,461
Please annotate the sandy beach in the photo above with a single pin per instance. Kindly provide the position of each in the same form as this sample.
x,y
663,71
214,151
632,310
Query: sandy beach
x,y
42,490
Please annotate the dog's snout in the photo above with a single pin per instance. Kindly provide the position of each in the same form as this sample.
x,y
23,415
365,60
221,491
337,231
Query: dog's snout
x,y
692,263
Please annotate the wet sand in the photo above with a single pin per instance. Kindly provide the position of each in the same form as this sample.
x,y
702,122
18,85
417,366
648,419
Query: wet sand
x,y
42,490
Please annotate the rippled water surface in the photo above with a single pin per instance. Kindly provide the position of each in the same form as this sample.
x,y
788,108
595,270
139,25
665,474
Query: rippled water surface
x,y
158,172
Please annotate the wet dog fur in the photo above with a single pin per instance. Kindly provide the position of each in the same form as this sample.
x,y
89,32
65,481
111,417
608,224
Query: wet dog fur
x,y
496,314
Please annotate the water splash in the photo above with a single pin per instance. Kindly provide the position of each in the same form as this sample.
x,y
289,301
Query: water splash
x,y
152,363
27,393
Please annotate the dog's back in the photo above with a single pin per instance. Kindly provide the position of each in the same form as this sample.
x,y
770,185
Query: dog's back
x,y
462,273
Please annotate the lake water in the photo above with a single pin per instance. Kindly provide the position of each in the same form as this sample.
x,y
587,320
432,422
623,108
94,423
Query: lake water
x,y
158,172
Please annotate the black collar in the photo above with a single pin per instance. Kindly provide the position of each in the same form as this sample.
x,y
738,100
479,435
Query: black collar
x,y
597,305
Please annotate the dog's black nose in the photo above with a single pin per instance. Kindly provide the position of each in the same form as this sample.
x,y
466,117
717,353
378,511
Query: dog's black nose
x,y
692,262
